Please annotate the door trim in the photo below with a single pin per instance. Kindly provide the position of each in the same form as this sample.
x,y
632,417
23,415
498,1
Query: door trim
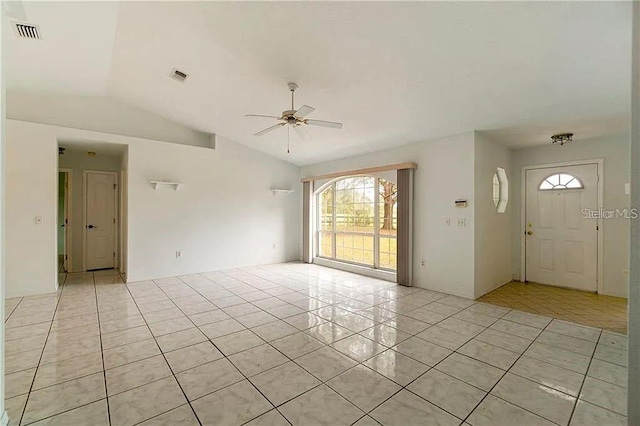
x,y
68,250
599,162
85,174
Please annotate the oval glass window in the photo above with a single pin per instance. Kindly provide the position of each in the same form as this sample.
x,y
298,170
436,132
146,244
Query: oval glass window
x,y
500,190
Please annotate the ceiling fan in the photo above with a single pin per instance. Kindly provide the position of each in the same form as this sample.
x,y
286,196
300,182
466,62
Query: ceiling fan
x,y
295,118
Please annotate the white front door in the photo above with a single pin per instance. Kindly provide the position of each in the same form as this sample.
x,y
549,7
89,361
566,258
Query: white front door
x,y
101,220
561,244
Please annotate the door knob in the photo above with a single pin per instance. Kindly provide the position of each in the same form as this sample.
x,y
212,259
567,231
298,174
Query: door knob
x,y
529,232
91,226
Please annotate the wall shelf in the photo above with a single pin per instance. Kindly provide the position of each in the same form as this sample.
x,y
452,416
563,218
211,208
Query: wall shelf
x,y
277,191
156,183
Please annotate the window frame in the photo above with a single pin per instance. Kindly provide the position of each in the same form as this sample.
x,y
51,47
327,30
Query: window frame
x,y
376,228
559,186
502,185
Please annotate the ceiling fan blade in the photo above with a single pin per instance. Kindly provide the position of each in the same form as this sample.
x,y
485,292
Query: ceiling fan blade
x,y
262,115
302,132
322,123
303,111
268,129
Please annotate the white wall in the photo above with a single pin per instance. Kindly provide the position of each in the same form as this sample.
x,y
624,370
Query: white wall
x,y
492,240
100,114
78,161
31,184
124,213
445,173
615,151
224,216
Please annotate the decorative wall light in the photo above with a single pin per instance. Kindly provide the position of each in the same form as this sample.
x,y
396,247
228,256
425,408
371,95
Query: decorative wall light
x,y
562,138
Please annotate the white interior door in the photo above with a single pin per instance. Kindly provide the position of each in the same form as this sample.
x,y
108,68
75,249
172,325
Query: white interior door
x,y
101,220
561,244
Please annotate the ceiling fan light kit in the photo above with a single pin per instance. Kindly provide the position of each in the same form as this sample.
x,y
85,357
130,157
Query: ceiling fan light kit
x,y
295,119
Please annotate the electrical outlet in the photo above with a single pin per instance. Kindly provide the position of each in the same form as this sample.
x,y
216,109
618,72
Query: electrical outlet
x,y
423,263
38,220
178,254
462,221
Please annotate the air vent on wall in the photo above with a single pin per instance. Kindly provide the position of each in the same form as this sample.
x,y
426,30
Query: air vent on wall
x,y
27,31
178,75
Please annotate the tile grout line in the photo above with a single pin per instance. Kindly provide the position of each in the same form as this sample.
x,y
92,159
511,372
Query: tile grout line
x,y
104,369
454,351
227,358
14,309
337,291
322,382
223,354
505,373
67,381
163,356
24,409
586,374
405,387
160,288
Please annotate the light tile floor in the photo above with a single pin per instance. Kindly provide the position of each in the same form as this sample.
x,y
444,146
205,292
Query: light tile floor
x,y
590,309
302,345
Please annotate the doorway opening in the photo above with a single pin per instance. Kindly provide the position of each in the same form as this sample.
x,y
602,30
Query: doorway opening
x,y
562,244
97,172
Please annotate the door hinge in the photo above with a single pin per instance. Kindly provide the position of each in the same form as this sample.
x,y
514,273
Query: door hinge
x,y
114,254
114,220
115,185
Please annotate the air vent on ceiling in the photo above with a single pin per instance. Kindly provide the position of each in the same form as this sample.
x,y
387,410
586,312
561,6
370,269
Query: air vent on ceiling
x,y
27,31
178,75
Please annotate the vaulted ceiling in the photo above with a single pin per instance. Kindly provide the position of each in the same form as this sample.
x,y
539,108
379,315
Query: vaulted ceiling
x,y
394,73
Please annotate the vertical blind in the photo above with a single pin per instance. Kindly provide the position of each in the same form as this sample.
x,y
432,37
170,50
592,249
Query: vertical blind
x,y
404,267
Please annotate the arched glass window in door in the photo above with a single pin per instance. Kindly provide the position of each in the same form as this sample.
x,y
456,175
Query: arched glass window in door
x,y
561,181
356,222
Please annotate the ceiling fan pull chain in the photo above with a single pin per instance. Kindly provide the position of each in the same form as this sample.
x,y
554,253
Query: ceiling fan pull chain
x,y
288,132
